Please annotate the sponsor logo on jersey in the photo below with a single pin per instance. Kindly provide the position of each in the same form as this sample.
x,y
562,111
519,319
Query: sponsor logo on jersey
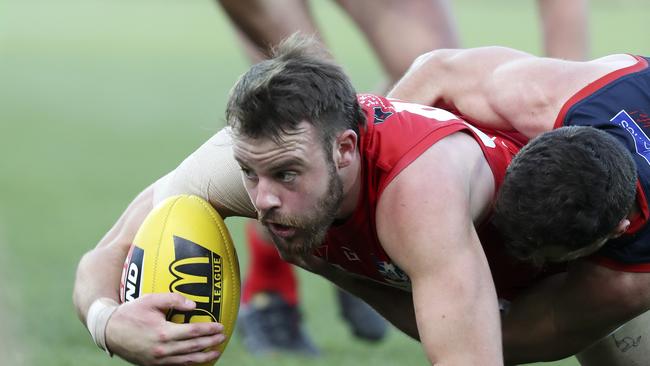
x,y
380,115
393,274
133,283
350,254
198,276
641,140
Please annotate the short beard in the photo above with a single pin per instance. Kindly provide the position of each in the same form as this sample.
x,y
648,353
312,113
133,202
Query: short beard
x,y
314,225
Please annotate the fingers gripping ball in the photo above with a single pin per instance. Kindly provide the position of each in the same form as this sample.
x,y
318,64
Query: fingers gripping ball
x,y
183,246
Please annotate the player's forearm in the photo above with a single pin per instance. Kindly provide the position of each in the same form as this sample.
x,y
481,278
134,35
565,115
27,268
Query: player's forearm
x,y
99,270
556,321
422,82
530,329
393,304
398,310
526,343
98,275
465,82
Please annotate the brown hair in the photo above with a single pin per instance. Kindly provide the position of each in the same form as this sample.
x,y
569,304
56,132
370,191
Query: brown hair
x,y
299,83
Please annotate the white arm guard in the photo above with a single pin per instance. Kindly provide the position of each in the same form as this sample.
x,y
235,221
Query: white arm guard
x,y
210,172
98,315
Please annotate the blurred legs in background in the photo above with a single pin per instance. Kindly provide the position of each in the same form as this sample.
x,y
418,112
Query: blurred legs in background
x,y
565,28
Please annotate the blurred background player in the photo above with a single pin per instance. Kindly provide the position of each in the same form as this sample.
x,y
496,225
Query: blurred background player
x,y
574,100
398,31
565,28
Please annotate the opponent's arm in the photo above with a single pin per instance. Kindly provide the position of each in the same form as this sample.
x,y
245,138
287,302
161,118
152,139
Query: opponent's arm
x,y
494,87
566,313
458,80
427,228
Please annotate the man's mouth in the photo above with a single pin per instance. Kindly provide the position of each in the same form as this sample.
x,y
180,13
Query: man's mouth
x,y
281,231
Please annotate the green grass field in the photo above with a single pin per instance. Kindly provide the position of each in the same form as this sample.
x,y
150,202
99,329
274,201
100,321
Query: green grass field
x,y
99,98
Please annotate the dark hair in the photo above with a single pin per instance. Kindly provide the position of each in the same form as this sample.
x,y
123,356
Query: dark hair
x,y
569,187
299,83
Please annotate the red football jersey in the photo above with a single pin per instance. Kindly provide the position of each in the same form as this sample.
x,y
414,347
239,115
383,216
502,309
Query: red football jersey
x,y
395,135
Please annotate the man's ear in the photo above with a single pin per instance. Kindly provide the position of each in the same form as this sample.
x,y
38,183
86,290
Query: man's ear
x,y
621,228
345,148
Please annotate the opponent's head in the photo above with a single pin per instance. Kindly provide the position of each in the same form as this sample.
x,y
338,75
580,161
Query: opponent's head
x,y
295,121
565,194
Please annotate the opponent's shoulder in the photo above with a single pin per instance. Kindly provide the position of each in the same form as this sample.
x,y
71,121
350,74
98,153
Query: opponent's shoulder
x,y
615,62
530,92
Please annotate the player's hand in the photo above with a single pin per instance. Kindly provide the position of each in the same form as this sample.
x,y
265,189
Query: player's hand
x,y
139,332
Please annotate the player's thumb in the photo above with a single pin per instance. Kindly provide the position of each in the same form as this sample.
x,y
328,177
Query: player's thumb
x,y
169,301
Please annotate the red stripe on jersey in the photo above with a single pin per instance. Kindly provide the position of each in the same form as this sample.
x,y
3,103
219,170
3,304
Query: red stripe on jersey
x,y
619,266
640,218
596,85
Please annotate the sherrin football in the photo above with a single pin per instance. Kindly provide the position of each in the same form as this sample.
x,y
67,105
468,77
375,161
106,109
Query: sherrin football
x,y
183,246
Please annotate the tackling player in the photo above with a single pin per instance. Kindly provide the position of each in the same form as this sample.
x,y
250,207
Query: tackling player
x,y
553,204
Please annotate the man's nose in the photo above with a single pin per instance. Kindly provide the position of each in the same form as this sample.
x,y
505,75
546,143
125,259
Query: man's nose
x,y
267,197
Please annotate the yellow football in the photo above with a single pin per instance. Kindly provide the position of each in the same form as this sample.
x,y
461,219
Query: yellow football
x,y
183,246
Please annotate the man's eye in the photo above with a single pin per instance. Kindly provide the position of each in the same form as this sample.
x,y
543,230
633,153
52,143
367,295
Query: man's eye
x,y
287,177
248,174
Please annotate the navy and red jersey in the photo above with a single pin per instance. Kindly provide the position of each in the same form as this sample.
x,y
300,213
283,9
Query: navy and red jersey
x,y
396,134
619,104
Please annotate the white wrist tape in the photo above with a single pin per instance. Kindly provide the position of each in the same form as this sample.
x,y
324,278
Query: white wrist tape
x,y
98,315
